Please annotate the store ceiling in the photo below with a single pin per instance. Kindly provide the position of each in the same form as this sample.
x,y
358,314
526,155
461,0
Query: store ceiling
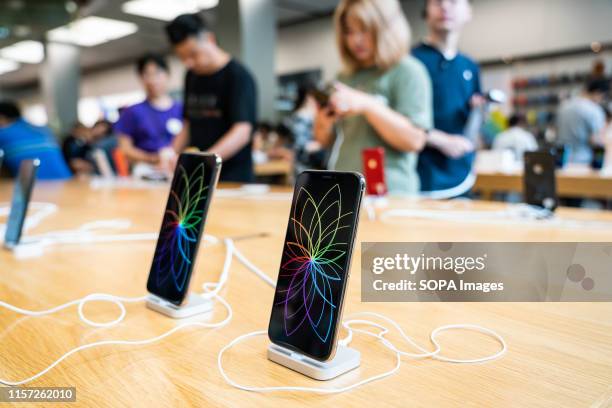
x,y
31,19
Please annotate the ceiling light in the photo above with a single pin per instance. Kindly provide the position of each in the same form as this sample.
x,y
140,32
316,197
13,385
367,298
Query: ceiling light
x,y
8,66
166,10
91,31
29,52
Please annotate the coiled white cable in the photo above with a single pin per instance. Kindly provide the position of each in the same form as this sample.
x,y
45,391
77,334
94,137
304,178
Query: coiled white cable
x,y
348,325
211,290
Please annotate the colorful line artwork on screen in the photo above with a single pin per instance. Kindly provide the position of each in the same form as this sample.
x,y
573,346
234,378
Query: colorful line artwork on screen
x,y
313,262
182,223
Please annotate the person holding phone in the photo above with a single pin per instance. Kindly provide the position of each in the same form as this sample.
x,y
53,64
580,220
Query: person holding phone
x,y
220,106
446,162
383,96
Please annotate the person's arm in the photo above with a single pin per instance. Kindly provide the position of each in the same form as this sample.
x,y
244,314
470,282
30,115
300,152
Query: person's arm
x,y
396,129
126,128
233,141
598,127
80,166
453,146
181,140
456,146
135,154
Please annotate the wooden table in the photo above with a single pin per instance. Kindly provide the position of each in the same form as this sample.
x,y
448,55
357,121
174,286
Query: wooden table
x,y
560,354
585,183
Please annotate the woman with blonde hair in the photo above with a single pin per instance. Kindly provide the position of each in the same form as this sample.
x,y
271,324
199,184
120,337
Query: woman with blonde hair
x,y
382,98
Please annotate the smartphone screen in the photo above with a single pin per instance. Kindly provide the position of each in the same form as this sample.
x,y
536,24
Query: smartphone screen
x,y
540,185
21,199
315,263
194,181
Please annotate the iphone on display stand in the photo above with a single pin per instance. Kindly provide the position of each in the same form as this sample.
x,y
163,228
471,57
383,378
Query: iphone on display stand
x,y
314,270
182,227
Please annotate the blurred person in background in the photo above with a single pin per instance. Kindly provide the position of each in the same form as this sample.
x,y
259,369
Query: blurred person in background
x,y
21,140
605,138
446,162
282,149
383,97
309,154
77,147
102,130
272,143
149,126
220,106
516,138
581,119
263,137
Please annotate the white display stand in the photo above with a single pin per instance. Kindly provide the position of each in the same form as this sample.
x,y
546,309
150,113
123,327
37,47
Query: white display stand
x,y
345,360
194,305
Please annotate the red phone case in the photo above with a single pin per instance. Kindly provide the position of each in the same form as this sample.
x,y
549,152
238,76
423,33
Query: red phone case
x,y
374,170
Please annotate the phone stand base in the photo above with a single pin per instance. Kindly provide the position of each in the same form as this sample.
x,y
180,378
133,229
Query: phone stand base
x,y
345,360
194,305
27,248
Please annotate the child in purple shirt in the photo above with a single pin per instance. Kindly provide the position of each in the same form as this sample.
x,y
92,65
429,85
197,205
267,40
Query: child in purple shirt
x,y
147,127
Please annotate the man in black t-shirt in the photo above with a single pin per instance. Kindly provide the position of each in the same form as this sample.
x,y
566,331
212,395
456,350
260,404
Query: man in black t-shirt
x,y
220,105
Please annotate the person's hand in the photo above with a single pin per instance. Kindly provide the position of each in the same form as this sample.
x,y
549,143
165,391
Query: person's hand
x,y
325,118
153,158
81,167
167,159
477,101
347,101
281,153
453,146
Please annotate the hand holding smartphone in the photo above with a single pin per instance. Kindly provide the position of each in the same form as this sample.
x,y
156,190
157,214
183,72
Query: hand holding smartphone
x,y
322,94
193,184
313,275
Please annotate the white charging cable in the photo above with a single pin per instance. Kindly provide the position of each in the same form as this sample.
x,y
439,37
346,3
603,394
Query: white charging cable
x,y
348,325
211,290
